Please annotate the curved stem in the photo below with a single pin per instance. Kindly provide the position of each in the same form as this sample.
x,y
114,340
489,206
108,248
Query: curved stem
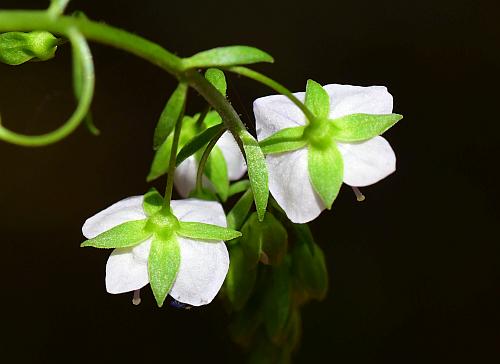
x,y
204,159
259,77
173,157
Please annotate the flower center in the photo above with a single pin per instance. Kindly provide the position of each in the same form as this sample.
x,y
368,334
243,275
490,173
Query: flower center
x,y
163,222
319,133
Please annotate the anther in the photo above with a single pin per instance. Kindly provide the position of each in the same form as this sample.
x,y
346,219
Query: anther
x,y
359,196
137,297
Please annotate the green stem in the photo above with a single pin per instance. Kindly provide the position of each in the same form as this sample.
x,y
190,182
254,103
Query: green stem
x,y
204,159
259,77
173,157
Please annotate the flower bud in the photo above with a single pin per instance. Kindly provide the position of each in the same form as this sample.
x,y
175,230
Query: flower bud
x,y
18,47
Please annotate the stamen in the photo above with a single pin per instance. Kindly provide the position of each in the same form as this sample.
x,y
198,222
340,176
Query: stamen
x,y
359,196
137,297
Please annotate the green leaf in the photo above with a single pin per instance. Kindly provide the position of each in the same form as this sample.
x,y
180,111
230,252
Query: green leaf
x,y
285,140
238,187
278,301
274,239
257,172
251,240
18,47
163,265
172,111
317,100
198,142
359,127
125,235
160,161
239,212
240,279
198,230
326,170
226,56
309,270
217,79
216,171
153,202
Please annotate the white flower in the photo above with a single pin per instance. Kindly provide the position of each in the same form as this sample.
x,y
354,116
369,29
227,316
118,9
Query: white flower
x,y
203,264
185,173
365,162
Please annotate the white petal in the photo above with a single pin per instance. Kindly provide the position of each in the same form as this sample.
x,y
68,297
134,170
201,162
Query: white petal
x,y
236,166
204,264
367,162
118,213
346,99
202,271
185,176
290,185
192,209
127,269
273,113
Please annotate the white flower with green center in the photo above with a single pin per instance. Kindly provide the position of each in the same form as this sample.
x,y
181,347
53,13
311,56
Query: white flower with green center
x,y
180,252
309,159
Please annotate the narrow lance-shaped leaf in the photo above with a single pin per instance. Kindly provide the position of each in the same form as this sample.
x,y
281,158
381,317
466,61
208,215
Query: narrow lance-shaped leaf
x,y
251,240
198,230
198,142
238,187
317,99
125,235
285,140
161,159
326,170
226,56
163,265
216,171
257,172
359,127
170,115
274,239
217,79
152,202
239,212
278,301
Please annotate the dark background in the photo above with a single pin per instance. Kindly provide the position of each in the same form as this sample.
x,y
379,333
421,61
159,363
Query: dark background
x,y
414,269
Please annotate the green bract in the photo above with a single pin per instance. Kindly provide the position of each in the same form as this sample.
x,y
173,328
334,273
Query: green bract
x,y
172,111
217,79
17,47
226,56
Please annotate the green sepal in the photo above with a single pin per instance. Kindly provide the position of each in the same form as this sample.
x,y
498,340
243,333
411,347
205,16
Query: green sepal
x,y
198,142
317,99
238,187
277,302
216,171
125,235
274,239
251,240
153,202
172,111
217,78
163,265
159,166
326,171
18,47
285,140
310,274
226,56
359,127
239,212
257,172
199,230
240,279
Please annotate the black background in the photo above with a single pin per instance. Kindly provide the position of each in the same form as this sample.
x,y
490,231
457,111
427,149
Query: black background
x,y
414,269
